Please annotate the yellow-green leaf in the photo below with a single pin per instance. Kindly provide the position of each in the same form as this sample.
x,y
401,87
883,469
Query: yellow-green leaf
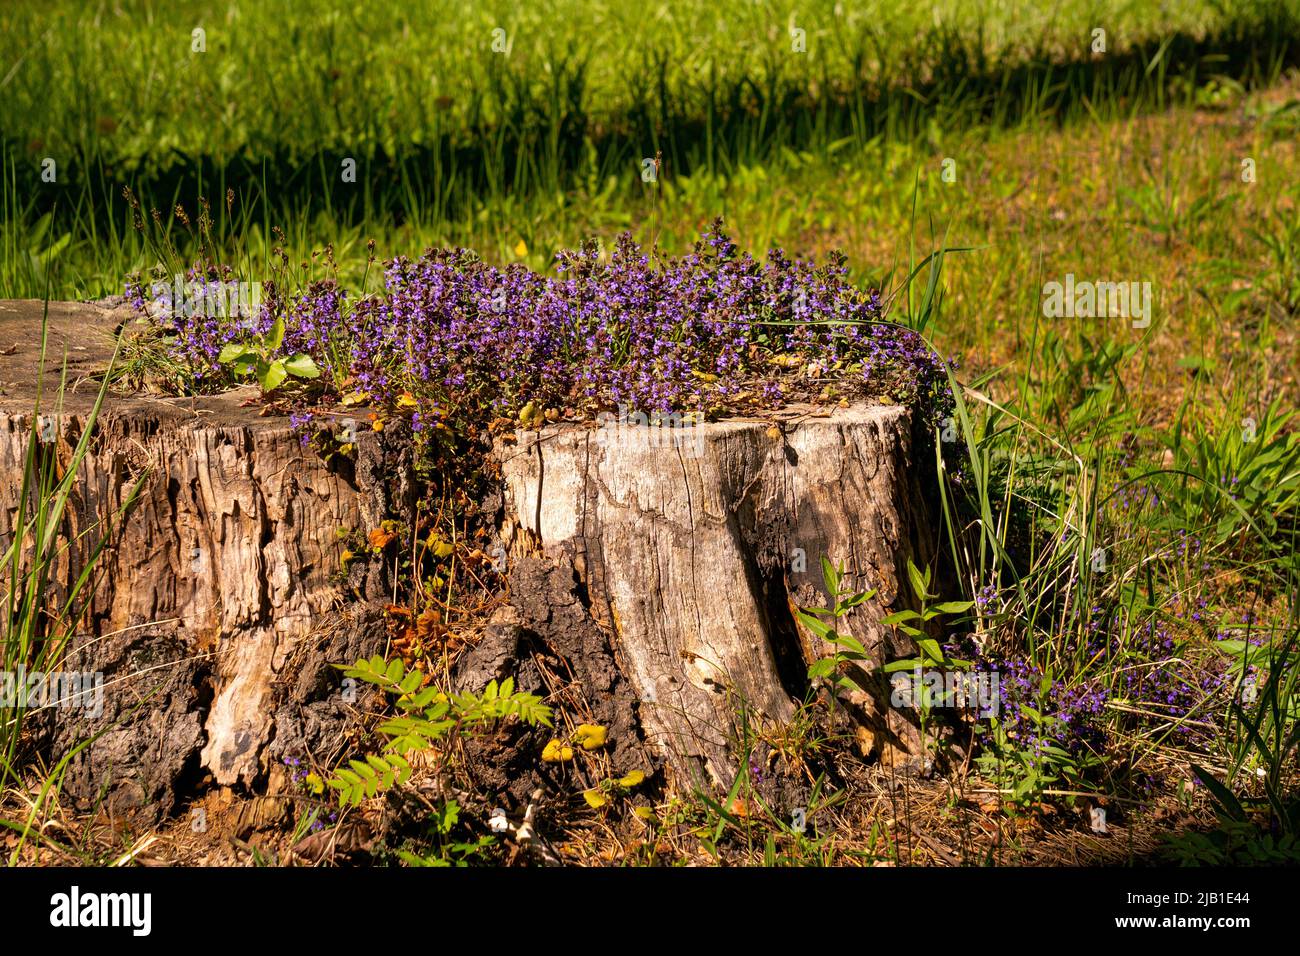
x,y
556,752
590,736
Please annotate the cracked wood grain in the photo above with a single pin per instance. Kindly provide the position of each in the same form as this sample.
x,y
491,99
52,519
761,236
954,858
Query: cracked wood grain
x,y
689,560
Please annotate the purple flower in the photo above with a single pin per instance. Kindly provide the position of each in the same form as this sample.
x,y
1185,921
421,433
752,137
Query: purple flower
x,y
714,328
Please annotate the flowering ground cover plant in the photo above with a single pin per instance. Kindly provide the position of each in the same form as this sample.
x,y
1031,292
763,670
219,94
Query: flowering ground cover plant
x,y
450,338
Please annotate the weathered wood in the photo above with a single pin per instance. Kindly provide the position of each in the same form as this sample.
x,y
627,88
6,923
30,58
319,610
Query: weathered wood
x,y
231,550
696,543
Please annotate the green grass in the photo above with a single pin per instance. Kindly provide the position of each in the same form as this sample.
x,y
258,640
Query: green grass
x,y
42,602
457,144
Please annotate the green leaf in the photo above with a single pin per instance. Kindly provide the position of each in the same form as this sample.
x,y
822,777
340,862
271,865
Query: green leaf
x,y
387,776
302,366
272,375
819,628
930,647
424,698
1228,804
849,641
822,668
276,336
953,607
232,351
856,599
400,764
831,577
920,583
899,616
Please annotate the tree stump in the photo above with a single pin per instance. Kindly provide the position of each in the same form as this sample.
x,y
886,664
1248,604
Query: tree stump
x,y
214,616
696,544
216,613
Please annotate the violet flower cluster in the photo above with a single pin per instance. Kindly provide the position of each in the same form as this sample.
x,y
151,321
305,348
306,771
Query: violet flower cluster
x,y
1141,664
200,314
711,331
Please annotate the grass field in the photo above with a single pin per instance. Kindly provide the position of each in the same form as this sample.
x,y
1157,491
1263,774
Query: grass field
x,y
457,144
1127,512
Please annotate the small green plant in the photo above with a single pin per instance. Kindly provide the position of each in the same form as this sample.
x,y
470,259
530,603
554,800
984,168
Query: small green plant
x,y
255,358
614,788
820,620
428,714
446,850
1233,843
790,838
1238,480
1165,208
1263,745
853,654
35,628
1028,772
931,653
1279,235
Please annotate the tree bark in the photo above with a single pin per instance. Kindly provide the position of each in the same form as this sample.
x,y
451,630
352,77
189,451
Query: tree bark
x,y
696,544
219,594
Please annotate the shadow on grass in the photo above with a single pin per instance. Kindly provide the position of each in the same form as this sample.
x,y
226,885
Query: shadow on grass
x,y
559,143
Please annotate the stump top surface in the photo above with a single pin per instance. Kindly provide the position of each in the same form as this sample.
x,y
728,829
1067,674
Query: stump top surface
x,y
84,333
